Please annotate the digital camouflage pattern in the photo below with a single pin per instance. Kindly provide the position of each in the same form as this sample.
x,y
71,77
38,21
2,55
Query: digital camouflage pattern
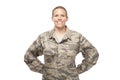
x,y
60,56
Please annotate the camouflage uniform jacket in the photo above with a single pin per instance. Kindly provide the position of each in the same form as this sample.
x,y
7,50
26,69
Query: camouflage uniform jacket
x,y
59,57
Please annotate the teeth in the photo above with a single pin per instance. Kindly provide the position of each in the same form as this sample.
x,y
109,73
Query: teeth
x,y
59,22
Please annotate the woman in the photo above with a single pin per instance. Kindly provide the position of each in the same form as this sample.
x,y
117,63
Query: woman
x,y
60,46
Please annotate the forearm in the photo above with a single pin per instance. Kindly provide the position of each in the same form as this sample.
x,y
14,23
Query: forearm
x,y
33,63
31,55
90,55
90,59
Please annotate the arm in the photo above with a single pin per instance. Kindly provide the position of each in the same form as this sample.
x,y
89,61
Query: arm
x,y
31,55
89,53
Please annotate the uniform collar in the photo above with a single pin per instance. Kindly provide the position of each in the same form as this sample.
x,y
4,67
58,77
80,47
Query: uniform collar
x,y
66,36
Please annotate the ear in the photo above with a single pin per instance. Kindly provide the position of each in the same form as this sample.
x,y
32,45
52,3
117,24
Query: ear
x,y
52,18
67,19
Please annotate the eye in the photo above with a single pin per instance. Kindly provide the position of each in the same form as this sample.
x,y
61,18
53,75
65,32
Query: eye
x,y
63,15
56,15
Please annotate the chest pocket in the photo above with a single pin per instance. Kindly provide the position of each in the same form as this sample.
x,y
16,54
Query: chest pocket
x,y
72,47
49,48
49,52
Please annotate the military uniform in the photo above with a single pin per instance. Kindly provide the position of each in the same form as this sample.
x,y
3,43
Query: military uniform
x,y
60,56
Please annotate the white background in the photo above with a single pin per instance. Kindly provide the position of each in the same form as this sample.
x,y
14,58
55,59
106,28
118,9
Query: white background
x,y
21,21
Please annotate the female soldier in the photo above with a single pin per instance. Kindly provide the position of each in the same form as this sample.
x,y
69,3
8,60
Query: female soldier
x,y
60,46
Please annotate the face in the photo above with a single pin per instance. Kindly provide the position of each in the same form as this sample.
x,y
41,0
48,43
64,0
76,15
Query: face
x,y
59,18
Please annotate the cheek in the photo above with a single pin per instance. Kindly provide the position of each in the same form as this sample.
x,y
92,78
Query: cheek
x,y
54,19
65,19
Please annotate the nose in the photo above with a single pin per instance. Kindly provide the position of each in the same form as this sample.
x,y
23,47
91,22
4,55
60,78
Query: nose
x,y
59,17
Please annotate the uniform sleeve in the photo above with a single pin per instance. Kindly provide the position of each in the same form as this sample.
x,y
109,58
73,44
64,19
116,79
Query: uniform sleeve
x,y
30,58
90,55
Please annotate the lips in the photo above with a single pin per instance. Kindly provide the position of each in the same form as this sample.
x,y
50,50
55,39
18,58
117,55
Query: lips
x,y
60,22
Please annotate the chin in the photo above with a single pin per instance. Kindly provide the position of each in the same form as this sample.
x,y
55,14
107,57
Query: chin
x,y
59,26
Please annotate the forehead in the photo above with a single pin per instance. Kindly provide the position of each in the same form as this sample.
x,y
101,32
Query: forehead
x,y
59,10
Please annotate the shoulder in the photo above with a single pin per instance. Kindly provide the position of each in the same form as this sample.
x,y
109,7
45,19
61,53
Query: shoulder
x,y
75,33
44,34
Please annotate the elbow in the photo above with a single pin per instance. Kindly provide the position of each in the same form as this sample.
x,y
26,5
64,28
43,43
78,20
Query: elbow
x,y
95,58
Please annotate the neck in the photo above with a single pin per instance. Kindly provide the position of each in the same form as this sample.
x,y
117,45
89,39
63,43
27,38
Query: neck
x,y
60,31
